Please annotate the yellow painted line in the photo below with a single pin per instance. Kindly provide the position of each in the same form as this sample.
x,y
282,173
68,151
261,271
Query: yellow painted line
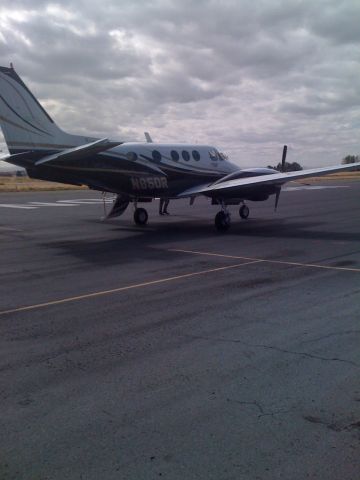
x,y
122,289
263,260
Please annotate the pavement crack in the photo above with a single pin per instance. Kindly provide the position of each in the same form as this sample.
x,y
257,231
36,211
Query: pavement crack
x,y
272,414
262,412
278,349
335,426
252,403
311,419
334,334
305,354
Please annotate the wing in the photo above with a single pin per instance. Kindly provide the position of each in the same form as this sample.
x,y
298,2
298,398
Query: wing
x,y
277,179
79,152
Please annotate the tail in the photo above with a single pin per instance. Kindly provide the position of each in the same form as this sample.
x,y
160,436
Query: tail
x,y
25,124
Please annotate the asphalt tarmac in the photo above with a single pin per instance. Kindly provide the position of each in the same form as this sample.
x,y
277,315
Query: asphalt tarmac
x,y
172,351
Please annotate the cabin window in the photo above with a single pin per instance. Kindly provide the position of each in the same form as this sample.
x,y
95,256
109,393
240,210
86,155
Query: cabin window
x,y
185,155
175,155
156,156
196,155
132,156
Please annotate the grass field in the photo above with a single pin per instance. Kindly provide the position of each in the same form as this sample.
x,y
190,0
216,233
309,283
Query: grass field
x,y
25,184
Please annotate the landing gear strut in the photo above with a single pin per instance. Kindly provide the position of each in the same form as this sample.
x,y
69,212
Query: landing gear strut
x,y
140,216
244,211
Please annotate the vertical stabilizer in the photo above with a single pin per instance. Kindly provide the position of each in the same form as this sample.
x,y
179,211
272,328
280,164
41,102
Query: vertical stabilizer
x,y
25,123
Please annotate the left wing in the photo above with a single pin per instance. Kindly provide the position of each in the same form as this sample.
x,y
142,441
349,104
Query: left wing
x,y
278,179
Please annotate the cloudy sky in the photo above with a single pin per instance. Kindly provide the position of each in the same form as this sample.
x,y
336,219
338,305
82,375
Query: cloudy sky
x,y
245,76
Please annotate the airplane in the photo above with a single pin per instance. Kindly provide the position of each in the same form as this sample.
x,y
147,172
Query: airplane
x,y
135,172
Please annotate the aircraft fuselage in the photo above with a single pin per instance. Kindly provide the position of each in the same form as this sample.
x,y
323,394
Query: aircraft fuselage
x,y
139,169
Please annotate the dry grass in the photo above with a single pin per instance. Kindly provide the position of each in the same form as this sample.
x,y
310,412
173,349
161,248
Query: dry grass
x,y
25,184
334,176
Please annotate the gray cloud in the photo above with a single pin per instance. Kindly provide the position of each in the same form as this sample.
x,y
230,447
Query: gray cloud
x,y
246,76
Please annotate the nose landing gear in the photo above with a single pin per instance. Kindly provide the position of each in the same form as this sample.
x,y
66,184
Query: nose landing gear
x,y
244,211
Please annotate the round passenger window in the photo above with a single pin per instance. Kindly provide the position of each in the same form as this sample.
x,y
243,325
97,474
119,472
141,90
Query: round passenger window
x,y
185,155
156,156
174,155
196,155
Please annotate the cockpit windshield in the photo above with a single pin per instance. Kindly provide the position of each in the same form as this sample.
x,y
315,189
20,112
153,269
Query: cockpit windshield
x,y
216,155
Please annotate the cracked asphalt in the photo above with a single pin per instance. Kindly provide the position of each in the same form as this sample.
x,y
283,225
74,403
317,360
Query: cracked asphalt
x,y
173,351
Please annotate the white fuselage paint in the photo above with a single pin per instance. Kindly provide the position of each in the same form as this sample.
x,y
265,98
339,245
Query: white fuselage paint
x,y
192,158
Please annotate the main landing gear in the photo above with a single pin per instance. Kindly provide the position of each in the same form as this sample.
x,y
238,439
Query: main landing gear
x,y
140,216
223,219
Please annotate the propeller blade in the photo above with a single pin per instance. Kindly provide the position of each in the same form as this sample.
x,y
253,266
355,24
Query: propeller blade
x,y
283,160
277,196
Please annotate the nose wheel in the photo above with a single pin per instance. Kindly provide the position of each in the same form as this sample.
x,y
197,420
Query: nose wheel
x,y
140,216
244,211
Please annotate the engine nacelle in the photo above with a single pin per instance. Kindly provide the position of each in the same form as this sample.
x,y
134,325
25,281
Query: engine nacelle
x,y
259,197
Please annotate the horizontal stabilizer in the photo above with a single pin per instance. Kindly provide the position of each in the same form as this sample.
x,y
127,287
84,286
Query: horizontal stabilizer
x,y
82,151
14,156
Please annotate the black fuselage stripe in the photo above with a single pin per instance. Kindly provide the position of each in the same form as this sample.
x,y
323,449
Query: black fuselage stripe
x,y
12,74
6,120
23,119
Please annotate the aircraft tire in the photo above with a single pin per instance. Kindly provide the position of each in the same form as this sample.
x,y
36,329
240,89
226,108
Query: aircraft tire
x,y
244,211
222,221
141,216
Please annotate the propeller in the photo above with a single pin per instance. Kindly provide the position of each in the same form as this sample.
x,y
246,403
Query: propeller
x,y
282,169
283,160
277,196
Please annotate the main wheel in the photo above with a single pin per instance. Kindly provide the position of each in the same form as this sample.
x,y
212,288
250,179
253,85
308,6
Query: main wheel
x,y
244,211
140,216
222,221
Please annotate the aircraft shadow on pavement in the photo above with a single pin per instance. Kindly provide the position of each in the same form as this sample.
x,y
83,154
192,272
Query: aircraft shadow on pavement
x,y
127,243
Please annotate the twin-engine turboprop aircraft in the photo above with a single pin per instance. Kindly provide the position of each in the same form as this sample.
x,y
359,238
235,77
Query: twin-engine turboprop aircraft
x,y
135,172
